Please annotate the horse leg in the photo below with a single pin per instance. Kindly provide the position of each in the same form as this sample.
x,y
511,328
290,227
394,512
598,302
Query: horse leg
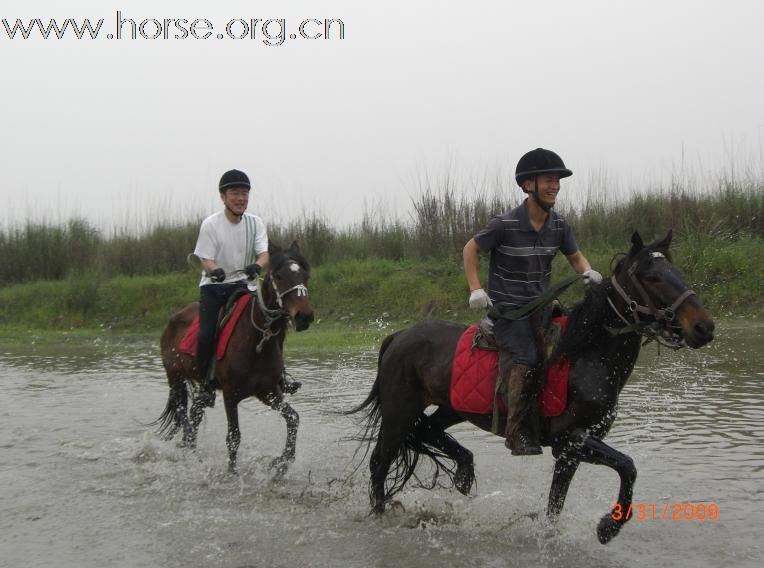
x,y
393,446
382,457
196,414
433,430
591,450
565,467
281,463
233,438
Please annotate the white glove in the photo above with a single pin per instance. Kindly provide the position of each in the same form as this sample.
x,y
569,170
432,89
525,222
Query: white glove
x,y
479,300
592,277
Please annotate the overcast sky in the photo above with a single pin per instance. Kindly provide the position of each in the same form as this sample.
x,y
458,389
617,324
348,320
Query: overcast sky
x,y
122,130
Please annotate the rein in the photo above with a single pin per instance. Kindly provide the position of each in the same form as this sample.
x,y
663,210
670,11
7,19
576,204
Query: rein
x,y
661,329
271,315
535,305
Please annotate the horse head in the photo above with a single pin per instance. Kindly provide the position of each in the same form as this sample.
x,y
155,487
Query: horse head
x,y
290,273
656,294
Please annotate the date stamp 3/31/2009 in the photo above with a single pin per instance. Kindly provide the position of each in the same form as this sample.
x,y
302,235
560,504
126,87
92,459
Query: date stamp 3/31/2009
x,y
666,512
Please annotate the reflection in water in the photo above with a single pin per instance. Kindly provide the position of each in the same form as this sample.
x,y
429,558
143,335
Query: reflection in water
x,y
86,483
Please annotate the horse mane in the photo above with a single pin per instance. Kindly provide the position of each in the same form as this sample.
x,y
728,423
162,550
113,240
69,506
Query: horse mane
x,y
585,320
587,317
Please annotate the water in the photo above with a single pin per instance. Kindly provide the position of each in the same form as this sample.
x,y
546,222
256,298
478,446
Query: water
x,y
86,483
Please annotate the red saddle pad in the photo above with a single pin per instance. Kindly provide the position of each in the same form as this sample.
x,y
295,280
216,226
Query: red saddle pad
x,y
190,342
473,378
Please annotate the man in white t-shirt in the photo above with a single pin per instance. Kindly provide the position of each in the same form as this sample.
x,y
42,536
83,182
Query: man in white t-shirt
x,y
233,246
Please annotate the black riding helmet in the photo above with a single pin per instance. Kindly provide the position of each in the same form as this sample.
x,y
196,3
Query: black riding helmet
x,y
540,161
233,178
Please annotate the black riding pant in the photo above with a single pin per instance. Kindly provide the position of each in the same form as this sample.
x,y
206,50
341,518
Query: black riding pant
x,y
517,337
212,297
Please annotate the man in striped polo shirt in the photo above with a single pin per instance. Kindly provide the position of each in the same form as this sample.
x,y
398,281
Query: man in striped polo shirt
x,y
522,244
233,246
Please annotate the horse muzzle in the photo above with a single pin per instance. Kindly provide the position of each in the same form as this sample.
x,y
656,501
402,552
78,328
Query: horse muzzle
x,y
302,320
701,332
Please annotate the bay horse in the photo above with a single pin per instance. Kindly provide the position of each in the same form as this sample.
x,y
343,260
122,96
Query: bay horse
x,y
646,296
253,363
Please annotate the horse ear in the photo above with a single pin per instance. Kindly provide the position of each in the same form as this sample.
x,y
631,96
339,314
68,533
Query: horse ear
x,y
636,242
273,247
665,243
294,247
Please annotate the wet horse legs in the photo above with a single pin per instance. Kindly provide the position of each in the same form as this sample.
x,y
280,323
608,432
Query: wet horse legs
x,y
233,438
590,450
281,463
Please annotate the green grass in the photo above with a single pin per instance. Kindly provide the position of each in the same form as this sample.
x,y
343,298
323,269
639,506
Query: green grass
x,y
72,277
358,301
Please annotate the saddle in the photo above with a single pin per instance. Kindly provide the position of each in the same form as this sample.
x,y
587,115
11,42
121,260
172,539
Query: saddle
x,y
547,326
475,382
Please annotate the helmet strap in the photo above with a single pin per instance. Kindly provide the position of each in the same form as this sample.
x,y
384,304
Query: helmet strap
x,y
535,193
225,203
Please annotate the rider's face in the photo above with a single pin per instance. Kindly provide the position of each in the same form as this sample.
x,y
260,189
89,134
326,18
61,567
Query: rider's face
x,y
236,199
548,186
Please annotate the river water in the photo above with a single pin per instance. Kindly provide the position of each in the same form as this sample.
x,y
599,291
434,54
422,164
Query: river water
x,y
84,482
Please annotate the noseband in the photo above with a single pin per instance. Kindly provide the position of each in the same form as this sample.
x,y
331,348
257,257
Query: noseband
x,y
661,328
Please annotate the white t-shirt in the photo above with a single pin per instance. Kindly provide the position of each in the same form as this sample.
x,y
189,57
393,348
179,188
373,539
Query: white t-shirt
x,y
231,245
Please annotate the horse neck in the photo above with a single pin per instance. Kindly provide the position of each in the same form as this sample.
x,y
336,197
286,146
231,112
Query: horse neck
x,y
587,337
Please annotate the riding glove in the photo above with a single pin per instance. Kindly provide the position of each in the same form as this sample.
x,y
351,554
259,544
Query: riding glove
x,y
479,300
217,275
592,277
252,270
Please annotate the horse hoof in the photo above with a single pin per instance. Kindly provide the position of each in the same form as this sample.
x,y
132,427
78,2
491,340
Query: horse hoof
x,y
608,528
463,481
279,466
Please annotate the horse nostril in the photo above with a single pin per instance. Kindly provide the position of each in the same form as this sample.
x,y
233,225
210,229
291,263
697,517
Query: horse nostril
x,y
704,328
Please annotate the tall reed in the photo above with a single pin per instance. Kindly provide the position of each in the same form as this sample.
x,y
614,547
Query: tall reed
x,y
442,219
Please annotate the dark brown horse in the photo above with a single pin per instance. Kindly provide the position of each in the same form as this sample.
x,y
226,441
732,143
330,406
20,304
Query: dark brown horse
x,y
646,296
253,364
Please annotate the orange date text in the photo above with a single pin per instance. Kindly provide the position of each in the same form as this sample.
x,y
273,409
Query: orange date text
x,y
666,512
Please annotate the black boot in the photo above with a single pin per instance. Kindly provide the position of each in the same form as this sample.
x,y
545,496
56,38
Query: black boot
x,y
520,437
206,394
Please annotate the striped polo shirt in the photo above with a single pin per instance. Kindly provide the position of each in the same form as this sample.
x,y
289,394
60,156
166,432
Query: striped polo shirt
x,y
521,258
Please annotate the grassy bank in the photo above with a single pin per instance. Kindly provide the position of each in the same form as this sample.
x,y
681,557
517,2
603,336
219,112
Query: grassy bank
x,y
441,220
359,299
380,273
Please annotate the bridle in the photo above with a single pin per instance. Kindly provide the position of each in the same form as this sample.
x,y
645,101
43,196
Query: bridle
x,y
271,315
661,327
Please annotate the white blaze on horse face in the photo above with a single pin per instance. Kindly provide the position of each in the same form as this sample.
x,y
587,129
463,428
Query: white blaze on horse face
x,y
294,267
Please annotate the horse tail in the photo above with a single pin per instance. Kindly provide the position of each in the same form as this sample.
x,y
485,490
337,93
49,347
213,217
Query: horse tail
x,y
173,416
409,440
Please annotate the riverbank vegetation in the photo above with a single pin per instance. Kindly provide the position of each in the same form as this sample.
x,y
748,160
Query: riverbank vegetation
x,y
383,269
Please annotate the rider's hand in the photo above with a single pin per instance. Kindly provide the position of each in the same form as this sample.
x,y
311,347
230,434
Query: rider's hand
x,y
252,270
479,300
217,275
592,277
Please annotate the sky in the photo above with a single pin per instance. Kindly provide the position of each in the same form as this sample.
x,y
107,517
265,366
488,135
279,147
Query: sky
x,y
138,131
